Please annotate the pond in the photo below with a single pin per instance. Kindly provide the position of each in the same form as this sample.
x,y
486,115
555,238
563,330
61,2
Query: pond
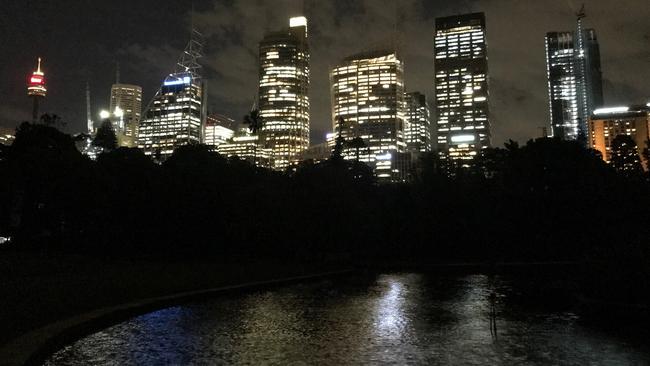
x,y
391,318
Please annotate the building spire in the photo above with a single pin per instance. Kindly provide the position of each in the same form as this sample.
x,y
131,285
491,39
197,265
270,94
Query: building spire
x,y
38,69
188,62
89,120
582,12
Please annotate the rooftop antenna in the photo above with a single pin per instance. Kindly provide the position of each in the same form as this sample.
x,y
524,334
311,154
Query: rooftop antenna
x,y
582,12
192,16
89,120
396,27
188,62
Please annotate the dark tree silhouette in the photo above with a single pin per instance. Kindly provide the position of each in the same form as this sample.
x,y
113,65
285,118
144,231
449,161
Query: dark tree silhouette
x,y
582,138
45,174
254,121
337,152
536,202
255,124
646,155
52,120
357,144
625,156
105,138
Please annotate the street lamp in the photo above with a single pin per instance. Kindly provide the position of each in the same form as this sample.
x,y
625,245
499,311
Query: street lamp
x,y
104,114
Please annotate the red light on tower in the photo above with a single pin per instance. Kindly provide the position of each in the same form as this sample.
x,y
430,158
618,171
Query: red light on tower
x,y
36,83
36,88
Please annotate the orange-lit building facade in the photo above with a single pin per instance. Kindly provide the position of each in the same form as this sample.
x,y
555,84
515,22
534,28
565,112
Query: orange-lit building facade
x,y
607,123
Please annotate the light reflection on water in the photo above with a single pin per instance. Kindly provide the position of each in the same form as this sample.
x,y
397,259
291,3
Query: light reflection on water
x,y
387,319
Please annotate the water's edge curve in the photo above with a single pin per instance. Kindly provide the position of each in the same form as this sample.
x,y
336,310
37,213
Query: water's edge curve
x,y
34,347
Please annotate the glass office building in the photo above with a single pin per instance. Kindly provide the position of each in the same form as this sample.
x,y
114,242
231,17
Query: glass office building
x,y
574,80
176,115
126,106
368,94
461,87
284,93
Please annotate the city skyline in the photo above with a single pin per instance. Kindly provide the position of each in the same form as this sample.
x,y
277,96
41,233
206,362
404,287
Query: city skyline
x,y
518,89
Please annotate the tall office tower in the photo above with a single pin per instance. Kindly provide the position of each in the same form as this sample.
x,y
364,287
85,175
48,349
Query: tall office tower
x,y
575,86
418,128
126,106
176,115
461,87
218,130
36,89
284,93
368,94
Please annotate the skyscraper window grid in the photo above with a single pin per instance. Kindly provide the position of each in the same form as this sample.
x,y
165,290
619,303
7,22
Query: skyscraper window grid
x,y
177,112
368,93
461,86
284,93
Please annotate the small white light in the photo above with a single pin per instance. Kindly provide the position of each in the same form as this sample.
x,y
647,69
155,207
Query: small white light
x,y
386,156
118,112
298,22
462,138
611,110
104,114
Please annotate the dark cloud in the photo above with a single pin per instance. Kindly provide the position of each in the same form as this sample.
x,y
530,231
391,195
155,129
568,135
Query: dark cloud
x,y
83,39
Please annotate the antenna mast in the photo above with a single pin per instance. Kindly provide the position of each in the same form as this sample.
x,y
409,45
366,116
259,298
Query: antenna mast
x,y
89,120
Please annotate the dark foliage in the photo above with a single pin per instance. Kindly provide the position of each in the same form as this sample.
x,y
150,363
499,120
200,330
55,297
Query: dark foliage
x,y
254,121
105,137
549,200
625,156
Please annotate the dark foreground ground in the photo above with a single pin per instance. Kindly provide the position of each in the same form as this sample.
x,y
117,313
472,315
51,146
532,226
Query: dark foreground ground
x,y
36,290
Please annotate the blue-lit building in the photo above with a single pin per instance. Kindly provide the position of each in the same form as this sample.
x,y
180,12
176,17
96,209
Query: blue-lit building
x,y
176,115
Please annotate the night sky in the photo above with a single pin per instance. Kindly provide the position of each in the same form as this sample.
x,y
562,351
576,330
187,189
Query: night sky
x,y
83,40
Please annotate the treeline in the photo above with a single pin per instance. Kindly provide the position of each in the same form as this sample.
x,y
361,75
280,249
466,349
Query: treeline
x,y
545,201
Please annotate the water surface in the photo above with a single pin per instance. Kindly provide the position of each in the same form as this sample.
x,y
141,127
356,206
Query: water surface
x,y
374,319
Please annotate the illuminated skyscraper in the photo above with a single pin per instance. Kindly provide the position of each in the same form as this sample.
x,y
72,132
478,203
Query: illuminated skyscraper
x,y
418,129
36,89
126,106
368,93
175,116
218,130
574,80
284,93
461,86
